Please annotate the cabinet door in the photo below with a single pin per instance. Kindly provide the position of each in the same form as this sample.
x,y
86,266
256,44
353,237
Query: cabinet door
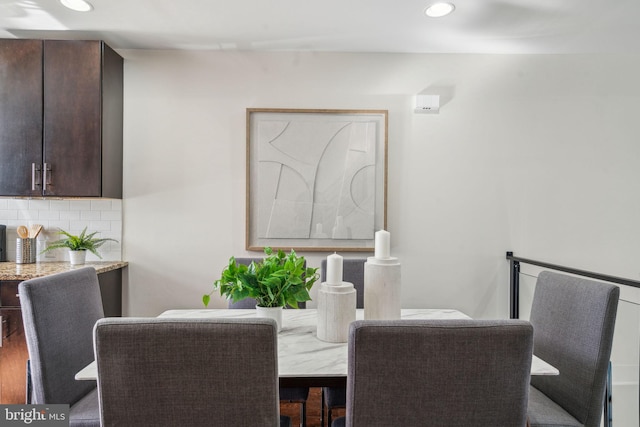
x,y
111,292
20,117
72,118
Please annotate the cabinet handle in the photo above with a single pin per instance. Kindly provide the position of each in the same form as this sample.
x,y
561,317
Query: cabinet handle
x,y
46,177
1,330
35,181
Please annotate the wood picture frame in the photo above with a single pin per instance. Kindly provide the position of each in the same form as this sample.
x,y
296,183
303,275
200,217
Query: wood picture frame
x,y
316,179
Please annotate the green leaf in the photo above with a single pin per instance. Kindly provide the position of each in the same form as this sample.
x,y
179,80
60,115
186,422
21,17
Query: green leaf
x,y
205,299
302,295
295,280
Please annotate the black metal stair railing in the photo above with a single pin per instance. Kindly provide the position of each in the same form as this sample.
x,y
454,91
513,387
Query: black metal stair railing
x,y
514,275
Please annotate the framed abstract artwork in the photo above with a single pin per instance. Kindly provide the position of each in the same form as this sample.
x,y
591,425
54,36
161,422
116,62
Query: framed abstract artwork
x,y
316,179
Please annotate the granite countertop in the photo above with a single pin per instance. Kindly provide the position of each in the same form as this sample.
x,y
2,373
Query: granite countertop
x,y
13,271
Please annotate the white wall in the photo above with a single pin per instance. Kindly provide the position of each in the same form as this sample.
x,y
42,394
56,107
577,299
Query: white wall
x,y
535,154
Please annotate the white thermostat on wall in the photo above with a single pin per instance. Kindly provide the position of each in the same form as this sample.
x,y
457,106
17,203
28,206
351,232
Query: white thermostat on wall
x,y
427,104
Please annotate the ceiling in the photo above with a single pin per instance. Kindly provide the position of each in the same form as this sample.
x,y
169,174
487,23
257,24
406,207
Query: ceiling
x,y
476,26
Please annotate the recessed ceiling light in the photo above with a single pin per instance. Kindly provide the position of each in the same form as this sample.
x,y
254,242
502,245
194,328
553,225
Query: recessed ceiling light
x,y
438,10
77,5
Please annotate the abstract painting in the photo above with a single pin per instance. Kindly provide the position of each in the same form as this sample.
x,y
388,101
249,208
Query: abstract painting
x,y
316,179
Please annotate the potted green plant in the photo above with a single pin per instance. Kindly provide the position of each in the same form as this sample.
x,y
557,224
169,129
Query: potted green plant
x,y
78,245
277,281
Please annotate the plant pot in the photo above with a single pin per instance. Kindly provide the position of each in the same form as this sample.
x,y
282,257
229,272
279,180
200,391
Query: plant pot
x,y
77,257
274,313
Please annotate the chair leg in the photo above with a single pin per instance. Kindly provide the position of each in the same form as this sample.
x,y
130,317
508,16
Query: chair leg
x,y
608,399
29,385
328,417
322,407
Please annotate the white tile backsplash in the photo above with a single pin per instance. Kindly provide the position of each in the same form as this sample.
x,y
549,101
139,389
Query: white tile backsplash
x,y
59,205
89,215
80,205
111,215
69,215
100,205
104,216
39,205
48,215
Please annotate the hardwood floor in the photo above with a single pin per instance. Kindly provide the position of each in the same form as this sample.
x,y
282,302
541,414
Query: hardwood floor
x,y
313,410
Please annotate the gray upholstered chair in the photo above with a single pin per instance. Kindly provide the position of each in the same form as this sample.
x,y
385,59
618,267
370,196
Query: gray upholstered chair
x,y
573,321
59,312
438,373
352,271
287,394
187,372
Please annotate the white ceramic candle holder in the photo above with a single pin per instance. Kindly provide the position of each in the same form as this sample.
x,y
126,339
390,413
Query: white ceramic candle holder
x,y
336,310
382,289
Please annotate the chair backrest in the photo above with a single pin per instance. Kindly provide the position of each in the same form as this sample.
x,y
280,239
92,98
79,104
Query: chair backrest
x,y
250,302
59,312
438,372
187,372
573,320
353,272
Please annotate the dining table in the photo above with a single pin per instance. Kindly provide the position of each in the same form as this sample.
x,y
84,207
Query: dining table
x,y
303,359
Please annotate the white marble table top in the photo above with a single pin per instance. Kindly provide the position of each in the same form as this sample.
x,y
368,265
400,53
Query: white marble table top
x,y
300,353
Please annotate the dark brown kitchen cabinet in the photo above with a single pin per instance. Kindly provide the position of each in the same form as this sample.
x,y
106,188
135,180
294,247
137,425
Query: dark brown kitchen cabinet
x,y
20,115
60,119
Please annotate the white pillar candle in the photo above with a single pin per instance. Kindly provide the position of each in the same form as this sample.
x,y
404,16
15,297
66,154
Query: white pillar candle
x,y
334,269
382,244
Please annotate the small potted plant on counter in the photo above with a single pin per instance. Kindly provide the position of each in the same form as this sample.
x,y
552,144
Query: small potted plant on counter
x,y
277,281
78,245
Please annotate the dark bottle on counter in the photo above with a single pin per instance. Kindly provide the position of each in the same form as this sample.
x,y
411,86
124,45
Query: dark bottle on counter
x,y
3,243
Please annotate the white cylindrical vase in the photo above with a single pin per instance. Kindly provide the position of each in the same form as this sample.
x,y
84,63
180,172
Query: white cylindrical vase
x,y
382,289
336,310
274,313
77,257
